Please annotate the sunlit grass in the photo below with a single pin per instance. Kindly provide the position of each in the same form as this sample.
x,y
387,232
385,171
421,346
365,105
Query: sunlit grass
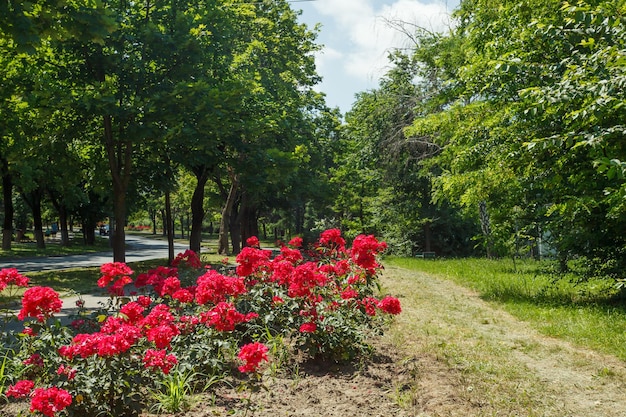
x,y
589,313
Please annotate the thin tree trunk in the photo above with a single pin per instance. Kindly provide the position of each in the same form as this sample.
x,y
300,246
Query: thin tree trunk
x,y
7,195
63,226
168,228
120,162
235,227
427,237
164,221
222,248
197,209
153,219
33,200
299,223
118,237
485,224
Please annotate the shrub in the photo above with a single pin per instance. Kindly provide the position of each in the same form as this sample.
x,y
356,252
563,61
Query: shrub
x,y
192,320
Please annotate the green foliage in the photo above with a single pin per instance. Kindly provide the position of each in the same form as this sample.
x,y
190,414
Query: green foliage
x,y
5,371
175,392
527,112
113,100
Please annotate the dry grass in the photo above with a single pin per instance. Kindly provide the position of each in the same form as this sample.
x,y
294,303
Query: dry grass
x,y
487,363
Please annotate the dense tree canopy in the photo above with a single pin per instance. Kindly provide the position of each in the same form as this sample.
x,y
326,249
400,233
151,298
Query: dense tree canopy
x,y
220,88
504,136
530,121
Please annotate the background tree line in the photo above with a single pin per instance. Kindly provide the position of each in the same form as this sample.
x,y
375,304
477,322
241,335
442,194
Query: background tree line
x,y
503,136
108,107
513,121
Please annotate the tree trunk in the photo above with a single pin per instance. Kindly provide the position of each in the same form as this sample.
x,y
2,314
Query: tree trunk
x,y
427,237
299,221
153,214
118,234
164,221
222,247
235,227
120,161
485,224
33,200
7,196
62,211
89,232
197,209
168,228
65,235
249,218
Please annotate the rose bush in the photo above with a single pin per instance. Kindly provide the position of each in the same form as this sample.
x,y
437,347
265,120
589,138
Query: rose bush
x,y
193,318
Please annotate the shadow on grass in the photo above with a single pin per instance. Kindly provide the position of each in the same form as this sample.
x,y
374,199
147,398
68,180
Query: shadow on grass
x,y
20,250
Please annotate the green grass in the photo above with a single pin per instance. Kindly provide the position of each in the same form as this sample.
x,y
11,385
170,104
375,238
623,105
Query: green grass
x,y
591,313
53,248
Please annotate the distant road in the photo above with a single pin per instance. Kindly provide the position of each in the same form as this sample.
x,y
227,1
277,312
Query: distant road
x,y
138,248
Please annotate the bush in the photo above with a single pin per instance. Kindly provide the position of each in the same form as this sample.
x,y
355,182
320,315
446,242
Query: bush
x,y
188,319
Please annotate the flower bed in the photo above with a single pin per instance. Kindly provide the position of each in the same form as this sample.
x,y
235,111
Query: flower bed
x,y
200,323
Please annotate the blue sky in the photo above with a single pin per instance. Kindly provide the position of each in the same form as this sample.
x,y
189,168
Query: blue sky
x,y
357,39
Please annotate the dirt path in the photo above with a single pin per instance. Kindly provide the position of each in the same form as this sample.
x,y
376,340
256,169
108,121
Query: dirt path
x,y
493,363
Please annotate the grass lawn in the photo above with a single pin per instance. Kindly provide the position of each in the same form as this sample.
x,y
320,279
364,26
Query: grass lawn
x,y
589,313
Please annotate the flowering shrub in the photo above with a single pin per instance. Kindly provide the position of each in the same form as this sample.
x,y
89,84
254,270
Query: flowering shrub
x,y
49,401
192,318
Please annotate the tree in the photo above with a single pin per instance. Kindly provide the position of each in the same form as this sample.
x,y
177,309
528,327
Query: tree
x,y
278,63
529,124
13,120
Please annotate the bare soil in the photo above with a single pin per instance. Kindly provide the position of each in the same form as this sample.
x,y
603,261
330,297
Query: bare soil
x,y
448,354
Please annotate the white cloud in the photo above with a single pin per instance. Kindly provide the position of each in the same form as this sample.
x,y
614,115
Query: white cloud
x,y
327,57
367,36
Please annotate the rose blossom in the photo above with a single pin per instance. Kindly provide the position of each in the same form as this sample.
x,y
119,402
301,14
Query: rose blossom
x,y
296,242
12,276
159,359
308,327
40,303
49,401
252,355
20,389
390,305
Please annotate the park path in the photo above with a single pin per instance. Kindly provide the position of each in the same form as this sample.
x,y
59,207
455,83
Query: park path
x,y
139,248
474,359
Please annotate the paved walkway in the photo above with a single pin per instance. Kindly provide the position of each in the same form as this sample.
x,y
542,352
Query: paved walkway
x,y
138,249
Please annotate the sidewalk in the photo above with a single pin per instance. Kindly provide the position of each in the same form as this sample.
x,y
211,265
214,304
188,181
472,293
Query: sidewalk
x,y
68,312
139,249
